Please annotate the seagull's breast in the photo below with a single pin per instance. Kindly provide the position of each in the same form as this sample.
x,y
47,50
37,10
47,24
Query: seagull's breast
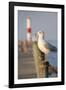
x,y
41,43
42,46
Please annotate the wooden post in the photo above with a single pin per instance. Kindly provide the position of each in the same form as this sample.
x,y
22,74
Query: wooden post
x,y
46,67
40,63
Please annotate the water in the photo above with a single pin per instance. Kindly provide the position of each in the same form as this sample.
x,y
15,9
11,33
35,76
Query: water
x,y
52,58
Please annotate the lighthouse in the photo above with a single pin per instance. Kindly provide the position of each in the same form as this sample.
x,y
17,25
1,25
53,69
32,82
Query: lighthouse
x,y
29,36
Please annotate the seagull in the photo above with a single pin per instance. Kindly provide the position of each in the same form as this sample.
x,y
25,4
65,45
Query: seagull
x,y
42,45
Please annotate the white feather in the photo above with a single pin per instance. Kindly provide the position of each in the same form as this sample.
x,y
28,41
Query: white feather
x,y
42,45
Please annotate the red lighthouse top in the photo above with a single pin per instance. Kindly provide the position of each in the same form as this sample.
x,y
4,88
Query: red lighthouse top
x,y
28,25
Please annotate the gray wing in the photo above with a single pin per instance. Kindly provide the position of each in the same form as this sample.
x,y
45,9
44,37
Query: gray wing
x,y
51,47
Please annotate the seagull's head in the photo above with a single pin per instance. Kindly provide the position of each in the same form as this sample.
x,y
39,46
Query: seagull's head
x,y
40,34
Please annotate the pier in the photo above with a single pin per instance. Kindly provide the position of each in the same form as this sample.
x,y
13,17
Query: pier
x,y
32,63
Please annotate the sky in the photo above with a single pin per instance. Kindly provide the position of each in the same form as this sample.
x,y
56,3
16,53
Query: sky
x,y
40,21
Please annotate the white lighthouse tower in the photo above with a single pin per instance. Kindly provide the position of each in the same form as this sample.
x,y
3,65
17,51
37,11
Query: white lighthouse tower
x,y
29,36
